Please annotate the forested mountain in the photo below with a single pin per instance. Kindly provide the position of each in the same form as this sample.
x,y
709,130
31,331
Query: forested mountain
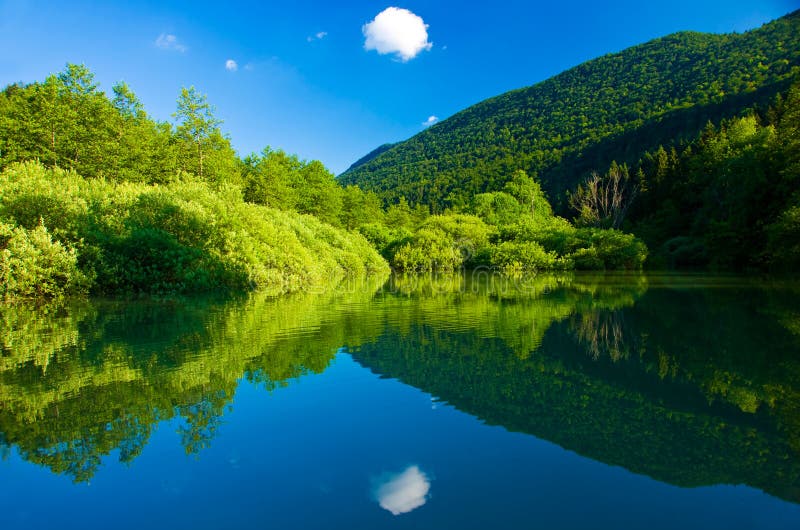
x,y
372,155
613,108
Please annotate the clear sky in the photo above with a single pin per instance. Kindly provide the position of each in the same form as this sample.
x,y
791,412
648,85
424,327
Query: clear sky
x,y
328,80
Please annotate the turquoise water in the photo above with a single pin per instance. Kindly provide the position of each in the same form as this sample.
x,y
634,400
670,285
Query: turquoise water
x,y
426,402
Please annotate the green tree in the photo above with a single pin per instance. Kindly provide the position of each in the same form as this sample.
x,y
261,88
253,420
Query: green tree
x,y
126,102
197,127
360,208
268,179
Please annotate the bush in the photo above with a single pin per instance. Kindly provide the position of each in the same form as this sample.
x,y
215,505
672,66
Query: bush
x,y
33,265
585,248
514,257
428,250
182,236
615,249
442,243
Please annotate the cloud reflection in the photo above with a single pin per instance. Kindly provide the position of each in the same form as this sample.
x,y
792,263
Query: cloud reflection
x,y
403,492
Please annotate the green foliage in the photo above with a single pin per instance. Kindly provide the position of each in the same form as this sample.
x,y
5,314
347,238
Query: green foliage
x,y
497,208
614,107
158,208
269,179
400,215
320,195
524,256
717,201
180,237
581,248
784,240
530,195
283,181
443,243
596,366
66,121
202,149
32,265
360,208
513,231
614,249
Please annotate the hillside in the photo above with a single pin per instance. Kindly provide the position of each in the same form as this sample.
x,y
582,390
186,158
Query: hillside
x,y
372,155
616,107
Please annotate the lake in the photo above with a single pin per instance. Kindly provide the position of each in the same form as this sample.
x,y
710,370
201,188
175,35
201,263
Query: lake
x,y
468,401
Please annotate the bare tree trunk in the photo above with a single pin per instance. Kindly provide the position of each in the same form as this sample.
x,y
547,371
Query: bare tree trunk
x,y
604,200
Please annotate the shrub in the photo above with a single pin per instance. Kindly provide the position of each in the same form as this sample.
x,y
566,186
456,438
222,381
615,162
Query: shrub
x,y
182,236
615,249
442,243
33,265
514,257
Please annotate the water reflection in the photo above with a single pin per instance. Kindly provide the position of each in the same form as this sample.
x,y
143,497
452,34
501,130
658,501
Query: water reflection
x,y
692,385
80,381
402,492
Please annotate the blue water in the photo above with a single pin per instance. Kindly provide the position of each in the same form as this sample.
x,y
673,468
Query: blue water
x,y
352,446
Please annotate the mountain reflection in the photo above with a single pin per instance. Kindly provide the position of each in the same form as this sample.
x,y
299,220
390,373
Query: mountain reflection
x,y
692,385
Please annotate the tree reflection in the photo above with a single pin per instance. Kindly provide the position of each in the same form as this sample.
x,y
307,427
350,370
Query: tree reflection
x,y
78,382
689,385
692,386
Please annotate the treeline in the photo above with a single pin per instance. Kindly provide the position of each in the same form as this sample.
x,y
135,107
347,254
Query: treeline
x,y
68,122
729,199
514,231
98,197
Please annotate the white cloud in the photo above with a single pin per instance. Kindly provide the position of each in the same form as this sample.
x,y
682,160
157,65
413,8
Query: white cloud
x,y
403,492
322,34
317,36
397,31
430,121
167,41
231,65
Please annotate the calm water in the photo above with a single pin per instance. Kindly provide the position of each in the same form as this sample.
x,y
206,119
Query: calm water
x,y
448,402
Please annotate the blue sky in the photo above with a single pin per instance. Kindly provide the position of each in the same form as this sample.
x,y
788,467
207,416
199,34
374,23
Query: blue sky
x,y
304,81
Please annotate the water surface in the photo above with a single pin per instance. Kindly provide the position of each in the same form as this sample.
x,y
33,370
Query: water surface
x,y
568,401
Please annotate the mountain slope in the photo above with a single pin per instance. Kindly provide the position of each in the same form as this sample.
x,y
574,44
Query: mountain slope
x,y
372,155
614,107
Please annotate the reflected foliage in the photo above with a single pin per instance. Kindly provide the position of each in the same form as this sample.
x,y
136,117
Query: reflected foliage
x,y
78,382
690,380
691,386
